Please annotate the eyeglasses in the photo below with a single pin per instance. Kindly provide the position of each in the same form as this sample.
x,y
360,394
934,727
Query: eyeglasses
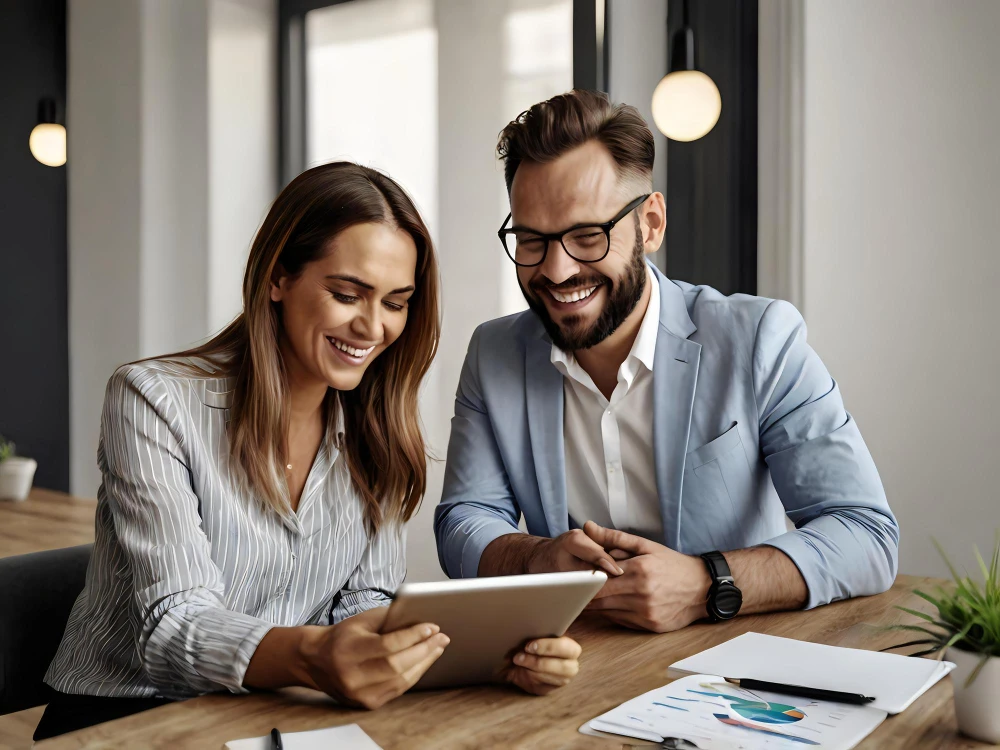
x,y
587,243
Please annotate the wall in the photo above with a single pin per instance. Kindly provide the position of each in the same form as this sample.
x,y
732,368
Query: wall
x,y
779,150
470,116
901,261
173,179
242,143
636,35
171,141
34,370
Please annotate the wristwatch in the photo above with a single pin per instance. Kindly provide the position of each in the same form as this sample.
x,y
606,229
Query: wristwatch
x,y
724,597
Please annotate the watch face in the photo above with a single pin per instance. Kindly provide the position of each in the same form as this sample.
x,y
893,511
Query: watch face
x,y
727,601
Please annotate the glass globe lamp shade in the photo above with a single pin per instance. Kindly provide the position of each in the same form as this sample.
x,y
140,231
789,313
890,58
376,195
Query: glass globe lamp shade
x,y
48,144
686,105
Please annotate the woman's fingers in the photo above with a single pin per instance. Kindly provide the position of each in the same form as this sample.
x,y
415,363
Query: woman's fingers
x,y
415,672
400,640
403,661
385,690
403,682
562,648
548,665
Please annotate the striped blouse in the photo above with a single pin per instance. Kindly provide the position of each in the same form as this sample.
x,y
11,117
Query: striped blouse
x,y
188,573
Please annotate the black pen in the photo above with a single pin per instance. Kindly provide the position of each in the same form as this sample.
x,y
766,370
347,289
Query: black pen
x,y
276,739
804,692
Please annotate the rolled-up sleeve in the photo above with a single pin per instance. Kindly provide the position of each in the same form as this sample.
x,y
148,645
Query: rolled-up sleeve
x,y
188,642
380,572
846,539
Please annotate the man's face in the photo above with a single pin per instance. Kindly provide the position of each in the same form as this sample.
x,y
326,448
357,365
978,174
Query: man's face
x,y
580,304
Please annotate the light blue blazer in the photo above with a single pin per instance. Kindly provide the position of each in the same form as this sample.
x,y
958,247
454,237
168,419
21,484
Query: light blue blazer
x,y
748,426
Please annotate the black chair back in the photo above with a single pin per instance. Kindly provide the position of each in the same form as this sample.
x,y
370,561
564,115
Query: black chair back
x,y
37,592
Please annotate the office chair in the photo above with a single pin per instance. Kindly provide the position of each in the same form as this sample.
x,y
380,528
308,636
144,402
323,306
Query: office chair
x,y
37,592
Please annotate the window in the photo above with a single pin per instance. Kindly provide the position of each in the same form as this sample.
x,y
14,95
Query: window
x,y
371,92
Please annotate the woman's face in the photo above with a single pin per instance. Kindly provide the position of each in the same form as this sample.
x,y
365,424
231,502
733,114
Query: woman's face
x,y
345,308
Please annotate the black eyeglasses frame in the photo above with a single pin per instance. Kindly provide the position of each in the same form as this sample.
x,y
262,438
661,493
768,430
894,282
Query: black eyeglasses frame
x,y
607,226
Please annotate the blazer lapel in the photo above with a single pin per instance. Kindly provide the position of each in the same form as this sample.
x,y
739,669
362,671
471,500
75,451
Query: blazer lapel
x,y
675,375
544,389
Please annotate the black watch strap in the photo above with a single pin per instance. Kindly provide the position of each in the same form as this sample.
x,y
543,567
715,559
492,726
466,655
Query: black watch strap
x,y
724,597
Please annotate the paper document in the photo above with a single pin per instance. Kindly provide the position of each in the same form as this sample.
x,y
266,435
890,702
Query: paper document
x,y
714,715
894,681
350,737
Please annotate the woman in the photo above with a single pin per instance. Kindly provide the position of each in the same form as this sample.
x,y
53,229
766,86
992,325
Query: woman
x,y
250,518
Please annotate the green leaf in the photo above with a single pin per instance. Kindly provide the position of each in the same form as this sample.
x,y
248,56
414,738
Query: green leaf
x,y
921,642
968,610
947,561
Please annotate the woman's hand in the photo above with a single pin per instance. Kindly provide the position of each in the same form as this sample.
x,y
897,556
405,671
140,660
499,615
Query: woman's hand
x,y
353,662
544,665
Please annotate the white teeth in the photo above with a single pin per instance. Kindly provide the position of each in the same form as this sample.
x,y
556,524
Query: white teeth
x,y
573,296
359,353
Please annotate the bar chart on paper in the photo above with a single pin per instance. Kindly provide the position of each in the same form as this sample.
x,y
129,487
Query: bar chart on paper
x,y
715,715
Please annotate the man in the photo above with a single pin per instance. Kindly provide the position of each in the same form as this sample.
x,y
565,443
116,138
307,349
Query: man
x,y
645,426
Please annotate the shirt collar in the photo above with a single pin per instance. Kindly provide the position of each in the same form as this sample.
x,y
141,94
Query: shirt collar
x,y
644,346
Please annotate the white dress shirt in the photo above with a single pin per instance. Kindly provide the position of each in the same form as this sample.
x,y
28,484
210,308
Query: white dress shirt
x,y
610,477
189,572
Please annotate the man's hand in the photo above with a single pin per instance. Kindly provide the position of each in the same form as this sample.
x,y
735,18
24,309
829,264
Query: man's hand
x,y
543,665
516,553
574,550
661,590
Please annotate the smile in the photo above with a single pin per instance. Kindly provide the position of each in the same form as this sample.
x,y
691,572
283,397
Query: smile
x,y
350,354
571,297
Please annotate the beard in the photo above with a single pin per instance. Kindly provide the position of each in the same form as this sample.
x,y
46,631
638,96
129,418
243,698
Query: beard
x,y
623,293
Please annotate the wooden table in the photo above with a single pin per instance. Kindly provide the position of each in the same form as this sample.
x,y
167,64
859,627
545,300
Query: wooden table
x,y
617,664
46,520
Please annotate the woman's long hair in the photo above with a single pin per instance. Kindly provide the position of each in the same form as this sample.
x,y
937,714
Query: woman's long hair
x,y
383,441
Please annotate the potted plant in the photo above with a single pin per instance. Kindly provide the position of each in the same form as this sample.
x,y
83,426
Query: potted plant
x,y
16,472
966,630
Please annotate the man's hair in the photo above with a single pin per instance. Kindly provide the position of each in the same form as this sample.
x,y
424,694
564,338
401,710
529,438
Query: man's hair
x,y
549,129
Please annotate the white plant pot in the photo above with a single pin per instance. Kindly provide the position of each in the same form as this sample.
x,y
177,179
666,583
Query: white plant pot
x,y
977,707
16,476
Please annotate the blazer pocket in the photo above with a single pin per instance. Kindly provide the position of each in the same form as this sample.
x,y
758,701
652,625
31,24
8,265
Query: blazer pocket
x,y
714,449
717,494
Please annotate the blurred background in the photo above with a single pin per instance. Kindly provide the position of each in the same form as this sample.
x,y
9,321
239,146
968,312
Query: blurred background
x,y
854,170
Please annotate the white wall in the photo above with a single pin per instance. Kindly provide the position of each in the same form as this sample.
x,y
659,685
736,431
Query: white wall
x,y
171,168
104,136
636,33
470,52
173,184
901,253
242,143
779,149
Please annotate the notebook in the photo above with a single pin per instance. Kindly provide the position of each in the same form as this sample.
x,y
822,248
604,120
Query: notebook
x,y
350,737
713,715
894,681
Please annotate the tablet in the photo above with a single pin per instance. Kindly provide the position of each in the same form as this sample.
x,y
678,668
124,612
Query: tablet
x,y
489,618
